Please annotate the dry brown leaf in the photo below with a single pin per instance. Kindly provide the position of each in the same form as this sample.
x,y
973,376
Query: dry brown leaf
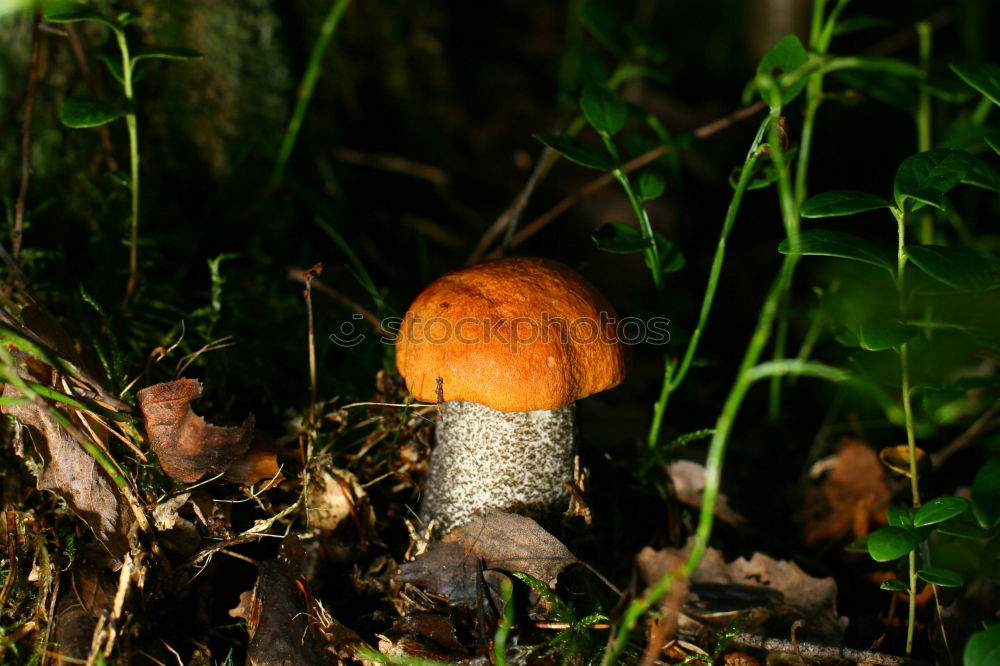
x,y
688,478
286,625
187,446
850,490
90,595
897,458
73,474
256,466
492,540
778,590
334,495
424,636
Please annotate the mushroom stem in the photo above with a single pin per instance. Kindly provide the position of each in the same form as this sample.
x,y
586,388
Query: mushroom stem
x,y
519,462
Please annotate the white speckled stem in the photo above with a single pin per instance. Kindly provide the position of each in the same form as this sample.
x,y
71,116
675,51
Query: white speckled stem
x,y
512,461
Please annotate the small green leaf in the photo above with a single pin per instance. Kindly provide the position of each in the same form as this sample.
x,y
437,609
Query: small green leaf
x,y
986,494
896,91
114,66
992,139
606,26
983,76
119,178
890,543
941,577
762,173
671,259
651,185
983,647
982,174
956,268
81,112
169,53
858,23
841,202
880,333
560,611
900,516
785,56
894,585
66,11
939,510
948,88
926,176
875,64
963,527
576,151
603,109
859,545
619,238
829,243
127,17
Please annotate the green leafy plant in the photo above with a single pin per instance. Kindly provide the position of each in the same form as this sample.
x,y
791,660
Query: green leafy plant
x,y
790,70
84,112
920,181
983,648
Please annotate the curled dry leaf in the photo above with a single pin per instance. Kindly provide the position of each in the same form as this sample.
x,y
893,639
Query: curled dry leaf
x,y
897,458
332,496
424,636
80,605
494,540
71,473
177,533
286,624
256,466
187,446
849,492
688,478
778,591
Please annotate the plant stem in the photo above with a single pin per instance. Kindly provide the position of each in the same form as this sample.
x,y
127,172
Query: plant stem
x,y
911,443
724,424
924,35
911,619
923,120
133,151
673,375
306,88
820,34
505,624
645,227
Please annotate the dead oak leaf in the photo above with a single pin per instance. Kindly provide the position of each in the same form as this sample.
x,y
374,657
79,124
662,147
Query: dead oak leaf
x,y
778,590
688,478
188,447
491,540
850,490
71,473
286,624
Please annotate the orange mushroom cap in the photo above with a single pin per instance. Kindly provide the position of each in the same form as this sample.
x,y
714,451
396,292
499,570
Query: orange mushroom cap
x,y
516,334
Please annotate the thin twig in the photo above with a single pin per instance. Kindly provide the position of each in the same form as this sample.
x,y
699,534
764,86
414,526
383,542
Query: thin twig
x,y
603,180
299,275
819,652
394,164
508,219
29,105
307,294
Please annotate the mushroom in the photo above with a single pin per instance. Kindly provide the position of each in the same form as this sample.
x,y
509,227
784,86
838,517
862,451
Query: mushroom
x,y
506,347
